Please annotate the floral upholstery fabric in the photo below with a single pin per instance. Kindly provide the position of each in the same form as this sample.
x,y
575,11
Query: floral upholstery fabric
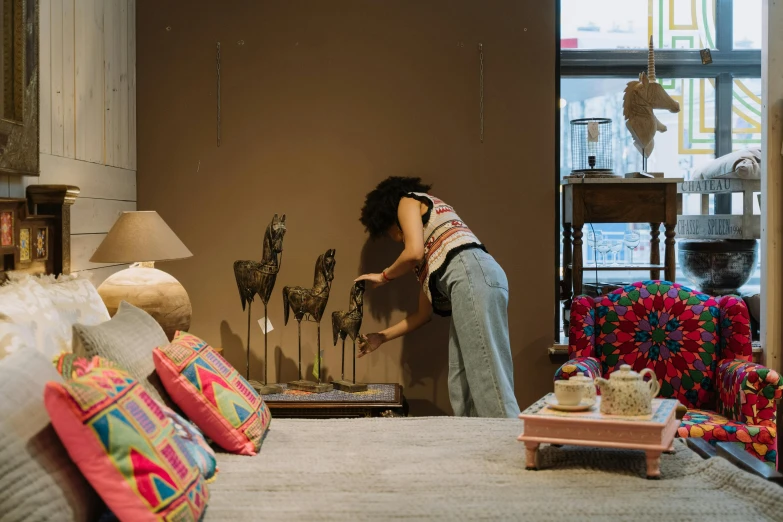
x,y
734,339
759,441
590,366
748,391
698,346
581,333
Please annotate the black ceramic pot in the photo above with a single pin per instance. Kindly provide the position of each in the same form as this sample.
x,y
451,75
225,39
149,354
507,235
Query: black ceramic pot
x,y
718,266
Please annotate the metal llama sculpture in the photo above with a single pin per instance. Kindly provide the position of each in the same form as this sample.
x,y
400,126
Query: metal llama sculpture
x,y
309,304
347,324
254,277
639,100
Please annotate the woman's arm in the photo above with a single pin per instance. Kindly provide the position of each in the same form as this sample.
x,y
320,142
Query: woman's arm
x,y
371,342
409,217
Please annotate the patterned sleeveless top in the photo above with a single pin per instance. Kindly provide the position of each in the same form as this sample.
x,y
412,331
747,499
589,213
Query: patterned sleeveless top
x,y
445,234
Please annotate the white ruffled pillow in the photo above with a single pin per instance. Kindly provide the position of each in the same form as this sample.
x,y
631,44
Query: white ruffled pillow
x,y
742,164
28,318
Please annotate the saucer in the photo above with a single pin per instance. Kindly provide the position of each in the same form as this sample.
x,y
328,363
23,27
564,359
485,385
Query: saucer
x,y
585,405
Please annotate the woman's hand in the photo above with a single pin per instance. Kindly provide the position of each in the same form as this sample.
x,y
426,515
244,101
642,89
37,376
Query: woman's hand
x,y
376,279
369,343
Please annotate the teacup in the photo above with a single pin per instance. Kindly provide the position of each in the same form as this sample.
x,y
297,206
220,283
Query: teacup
x,y
569,393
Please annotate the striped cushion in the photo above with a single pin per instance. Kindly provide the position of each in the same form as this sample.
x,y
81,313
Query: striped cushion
x,y
37,479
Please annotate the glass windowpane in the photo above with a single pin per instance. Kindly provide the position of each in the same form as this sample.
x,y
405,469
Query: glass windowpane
x,y
746,113
628,24
747,24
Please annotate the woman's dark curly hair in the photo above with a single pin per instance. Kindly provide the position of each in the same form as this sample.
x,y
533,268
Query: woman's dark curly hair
x,y
379,212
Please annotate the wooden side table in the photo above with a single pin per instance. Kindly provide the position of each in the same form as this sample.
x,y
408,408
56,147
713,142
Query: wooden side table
x,y
381,400
618,200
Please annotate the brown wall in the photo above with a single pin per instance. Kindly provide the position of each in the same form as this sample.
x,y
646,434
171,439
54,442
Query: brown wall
x,y
321,102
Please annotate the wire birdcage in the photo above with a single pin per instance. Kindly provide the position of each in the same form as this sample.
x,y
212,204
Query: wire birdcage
x,y
591,145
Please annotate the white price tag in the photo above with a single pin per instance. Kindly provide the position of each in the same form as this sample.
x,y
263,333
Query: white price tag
x,y
592,131
265,324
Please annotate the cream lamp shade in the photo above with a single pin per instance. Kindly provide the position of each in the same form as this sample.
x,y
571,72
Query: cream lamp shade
x,y
142,237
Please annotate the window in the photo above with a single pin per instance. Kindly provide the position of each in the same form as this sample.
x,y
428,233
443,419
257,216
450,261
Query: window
x,y
604,46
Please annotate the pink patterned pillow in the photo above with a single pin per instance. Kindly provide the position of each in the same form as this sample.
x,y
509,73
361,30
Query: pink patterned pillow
x,y
212,394
125,446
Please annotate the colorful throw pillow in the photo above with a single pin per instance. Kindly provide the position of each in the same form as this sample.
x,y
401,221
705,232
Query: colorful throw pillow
x,y
126,447
194,443
213,394
127,339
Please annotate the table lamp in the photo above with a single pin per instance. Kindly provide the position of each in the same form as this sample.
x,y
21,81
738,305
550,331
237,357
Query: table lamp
x,y
141,238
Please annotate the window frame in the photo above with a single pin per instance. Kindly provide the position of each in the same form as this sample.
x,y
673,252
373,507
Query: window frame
x,y
727,64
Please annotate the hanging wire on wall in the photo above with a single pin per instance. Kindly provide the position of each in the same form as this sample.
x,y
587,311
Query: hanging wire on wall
x,y
481,92
217,61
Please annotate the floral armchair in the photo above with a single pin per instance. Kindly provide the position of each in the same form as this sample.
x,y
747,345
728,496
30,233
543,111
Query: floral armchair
x,y
699,348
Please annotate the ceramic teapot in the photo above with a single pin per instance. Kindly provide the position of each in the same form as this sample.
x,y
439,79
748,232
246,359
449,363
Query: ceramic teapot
x,y
626,392
588,385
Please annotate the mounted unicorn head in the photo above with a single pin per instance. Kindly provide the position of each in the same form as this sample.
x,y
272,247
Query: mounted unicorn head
x,y
639,100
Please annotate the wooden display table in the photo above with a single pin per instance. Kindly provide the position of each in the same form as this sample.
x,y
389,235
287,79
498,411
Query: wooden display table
x,y
618,200
653,434
379,400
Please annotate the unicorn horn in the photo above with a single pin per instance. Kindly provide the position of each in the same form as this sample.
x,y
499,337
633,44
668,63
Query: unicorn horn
x,y
651,62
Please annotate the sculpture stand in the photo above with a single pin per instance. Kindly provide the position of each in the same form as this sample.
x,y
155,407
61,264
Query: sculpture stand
x,y
263,389
266,388
346,386
305,385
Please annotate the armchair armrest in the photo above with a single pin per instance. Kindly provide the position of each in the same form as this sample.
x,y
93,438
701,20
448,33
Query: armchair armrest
x,y
590,366
748,391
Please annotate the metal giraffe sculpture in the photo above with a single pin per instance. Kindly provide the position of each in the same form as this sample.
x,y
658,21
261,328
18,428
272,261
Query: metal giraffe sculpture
x,y
310,303
639,100
347,324
254,277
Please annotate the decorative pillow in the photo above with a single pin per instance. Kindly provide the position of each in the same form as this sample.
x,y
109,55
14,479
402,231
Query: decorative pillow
x,y
76,300
744,164
195,446
213,394
128,339
37,479
126,447
28,318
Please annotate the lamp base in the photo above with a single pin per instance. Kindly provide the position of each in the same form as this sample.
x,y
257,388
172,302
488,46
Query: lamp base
x,y
154,291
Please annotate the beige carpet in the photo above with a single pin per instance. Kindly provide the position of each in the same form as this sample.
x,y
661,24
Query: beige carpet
x,y
445,468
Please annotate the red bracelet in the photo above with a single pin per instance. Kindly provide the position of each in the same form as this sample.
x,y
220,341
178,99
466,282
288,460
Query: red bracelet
x,y
384,277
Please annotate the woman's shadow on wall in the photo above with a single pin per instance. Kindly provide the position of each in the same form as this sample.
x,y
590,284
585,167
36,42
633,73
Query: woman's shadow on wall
x,y
424,356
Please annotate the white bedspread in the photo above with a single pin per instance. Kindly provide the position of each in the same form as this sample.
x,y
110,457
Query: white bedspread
x,y
445,468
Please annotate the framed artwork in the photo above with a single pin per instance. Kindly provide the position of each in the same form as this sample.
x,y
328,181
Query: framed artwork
x,y
41,245
25,252
6,228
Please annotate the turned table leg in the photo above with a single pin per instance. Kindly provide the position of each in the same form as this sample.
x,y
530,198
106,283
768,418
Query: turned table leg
x,y
653,464
531,455
576,261
655,249
668,255
567,281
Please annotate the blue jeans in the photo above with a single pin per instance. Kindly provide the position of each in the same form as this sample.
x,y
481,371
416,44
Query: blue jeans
x,y
481,372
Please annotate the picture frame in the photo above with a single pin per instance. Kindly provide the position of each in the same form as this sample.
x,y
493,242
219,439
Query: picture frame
x,y
7,230
25,245
40,246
